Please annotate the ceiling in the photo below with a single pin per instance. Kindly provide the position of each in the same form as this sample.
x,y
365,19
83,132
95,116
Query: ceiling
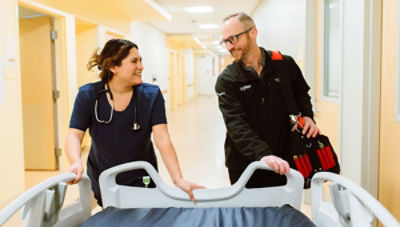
x,y
185,25
182,28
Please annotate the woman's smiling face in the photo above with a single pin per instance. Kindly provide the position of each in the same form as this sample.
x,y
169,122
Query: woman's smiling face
x,y
130,69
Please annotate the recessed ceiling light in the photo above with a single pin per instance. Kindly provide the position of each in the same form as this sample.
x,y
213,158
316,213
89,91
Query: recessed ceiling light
x,y
208,26
198,9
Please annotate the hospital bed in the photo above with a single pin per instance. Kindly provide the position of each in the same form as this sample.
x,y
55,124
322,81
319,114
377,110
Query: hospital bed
x,y
43,202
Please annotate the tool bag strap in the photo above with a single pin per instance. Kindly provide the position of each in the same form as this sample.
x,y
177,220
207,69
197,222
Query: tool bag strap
x,y
281,68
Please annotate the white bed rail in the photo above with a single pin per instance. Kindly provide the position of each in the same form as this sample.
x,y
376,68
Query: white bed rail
x,y
164,195
352,205
42,203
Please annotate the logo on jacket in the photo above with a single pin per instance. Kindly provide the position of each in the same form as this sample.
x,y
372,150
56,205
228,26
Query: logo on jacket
x,y
245,87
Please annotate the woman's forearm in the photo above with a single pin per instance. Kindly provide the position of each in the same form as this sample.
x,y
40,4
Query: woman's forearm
x,y
167,151
73,145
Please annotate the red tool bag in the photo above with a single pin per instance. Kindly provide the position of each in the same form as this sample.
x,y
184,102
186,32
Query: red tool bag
x,y
311,155
307,155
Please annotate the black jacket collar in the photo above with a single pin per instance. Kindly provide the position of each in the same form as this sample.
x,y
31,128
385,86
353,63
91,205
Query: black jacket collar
x,y
246,75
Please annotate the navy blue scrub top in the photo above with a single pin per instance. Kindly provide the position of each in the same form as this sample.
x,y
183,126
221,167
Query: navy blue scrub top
x,y
116,143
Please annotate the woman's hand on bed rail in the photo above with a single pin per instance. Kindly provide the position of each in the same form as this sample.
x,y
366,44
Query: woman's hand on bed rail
x,y
188,187
279,165
77,169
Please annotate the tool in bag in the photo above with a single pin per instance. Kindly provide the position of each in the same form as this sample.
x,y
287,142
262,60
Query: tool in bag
x,y
307,155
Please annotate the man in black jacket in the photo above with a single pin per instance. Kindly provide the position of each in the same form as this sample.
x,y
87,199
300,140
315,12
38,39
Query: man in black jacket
x,y
252,103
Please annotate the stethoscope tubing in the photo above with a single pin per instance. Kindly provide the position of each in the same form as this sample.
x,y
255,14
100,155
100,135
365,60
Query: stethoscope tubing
x,y
135,125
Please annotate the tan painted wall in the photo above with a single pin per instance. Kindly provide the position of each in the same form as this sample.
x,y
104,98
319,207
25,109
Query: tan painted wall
x,y
224,62
87,10
389,184
327,114
86,44
11,152
181,79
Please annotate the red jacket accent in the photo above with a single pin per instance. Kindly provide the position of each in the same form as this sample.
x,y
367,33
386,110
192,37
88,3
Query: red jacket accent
x,y
276,56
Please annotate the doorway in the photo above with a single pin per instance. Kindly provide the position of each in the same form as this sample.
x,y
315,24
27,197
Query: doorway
x,y
37,54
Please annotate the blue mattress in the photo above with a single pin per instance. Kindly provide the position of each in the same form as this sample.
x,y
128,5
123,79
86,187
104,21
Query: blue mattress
x,y
178,217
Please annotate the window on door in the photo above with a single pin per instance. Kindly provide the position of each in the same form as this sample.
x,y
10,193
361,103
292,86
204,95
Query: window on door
x,y
332,48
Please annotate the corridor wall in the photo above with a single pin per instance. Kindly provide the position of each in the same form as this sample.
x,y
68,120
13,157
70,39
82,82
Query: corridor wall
x,y
11,135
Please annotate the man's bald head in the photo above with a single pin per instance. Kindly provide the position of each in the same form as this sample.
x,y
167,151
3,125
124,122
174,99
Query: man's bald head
x,y
243,18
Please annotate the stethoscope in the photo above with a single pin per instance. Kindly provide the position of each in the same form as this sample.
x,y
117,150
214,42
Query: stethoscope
x,y
135,125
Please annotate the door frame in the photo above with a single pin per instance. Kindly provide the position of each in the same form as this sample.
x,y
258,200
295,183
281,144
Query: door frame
x,y
65,78
40,38
173,79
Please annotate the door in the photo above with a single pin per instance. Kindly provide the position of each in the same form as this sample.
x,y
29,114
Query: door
x,y
327,106
173,87
182,80
37,92
207,76
389,157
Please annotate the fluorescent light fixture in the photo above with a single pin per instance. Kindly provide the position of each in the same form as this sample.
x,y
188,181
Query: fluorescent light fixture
x,y
198,9
159,9
208,26
199,42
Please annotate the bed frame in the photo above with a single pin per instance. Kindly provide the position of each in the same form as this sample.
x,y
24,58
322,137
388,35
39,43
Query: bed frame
x,y
351,205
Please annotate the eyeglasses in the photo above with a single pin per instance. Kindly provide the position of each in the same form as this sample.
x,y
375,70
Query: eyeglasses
x,y
235,38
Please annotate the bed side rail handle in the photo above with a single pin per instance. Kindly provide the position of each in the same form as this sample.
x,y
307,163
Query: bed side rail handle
x,y
109,187
111,192
294,178
34,203
356,192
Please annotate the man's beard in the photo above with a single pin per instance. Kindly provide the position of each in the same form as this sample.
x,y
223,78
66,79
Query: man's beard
x,y
240,54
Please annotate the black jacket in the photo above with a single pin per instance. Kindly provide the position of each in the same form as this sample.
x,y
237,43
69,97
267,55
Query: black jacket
x,y
255,112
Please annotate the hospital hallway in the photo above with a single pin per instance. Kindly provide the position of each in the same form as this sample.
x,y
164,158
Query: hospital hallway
x,y
348,53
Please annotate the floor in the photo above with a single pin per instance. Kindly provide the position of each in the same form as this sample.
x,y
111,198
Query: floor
x,y
197,132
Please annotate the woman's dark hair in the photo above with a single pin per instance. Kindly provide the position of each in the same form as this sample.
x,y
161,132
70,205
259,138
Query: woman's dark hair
x,y
114,51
